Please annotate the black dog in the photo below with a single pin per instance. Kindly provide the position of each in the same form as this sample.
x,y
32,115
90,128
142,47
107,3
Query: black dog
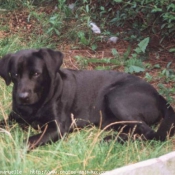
x,y
47,97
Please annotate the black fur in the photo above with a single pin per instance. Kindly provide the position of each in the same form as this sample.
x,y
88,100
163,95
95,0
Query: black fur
x,y
46,97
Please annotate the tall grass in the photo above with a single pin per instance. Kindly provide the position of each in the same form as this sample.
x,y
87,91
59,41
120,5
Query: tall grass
x,y
79,152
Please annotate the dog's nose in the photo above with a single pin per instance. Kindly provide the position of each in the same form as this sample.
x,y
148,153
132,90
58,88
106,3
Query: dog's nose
x,y
24,96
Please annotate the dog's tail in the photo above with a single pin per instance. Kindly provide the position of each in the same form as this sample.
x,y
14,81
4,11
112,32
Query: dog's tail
x,y
167,126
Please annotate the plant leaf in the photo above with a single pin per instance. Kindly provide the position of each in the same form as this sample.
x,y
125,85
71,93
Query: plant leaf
x,y
172,50
143,44
135,69
118,1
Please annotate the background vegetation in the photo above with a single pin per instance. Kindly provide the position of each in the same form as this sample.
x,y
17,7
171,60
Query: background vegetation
x,y
146,47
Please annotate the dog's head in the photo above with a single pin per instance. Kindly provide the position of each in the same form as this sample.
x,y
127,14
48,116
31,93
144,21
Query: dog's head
x,y
32,72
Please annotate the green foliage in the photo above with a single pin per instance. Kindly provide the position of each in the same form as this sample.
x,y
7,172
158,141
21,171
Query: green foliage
x,y
143,45
168,73
11,4
84,40
172,50
141,48
83,62
55,24
15,43
153,16
167,92
148,77
134,65
115,53
150,15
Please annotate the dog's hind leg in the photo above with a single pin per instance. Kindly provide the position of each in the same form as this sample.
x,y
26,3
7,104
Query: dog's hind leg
x,y
138,111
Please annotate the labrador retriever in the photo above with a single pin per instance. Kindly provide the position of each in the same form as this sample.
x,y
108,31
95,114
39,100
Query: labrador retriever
x,y
48,97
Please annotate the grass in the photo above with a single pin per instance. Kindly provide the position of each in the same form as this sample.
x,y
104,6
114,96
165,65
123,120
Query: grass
x,y
80,152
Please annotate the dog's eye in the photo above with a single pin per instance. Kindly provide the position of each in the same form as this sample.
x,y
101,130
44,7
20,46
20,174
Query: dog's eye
x,y
36,74
16,75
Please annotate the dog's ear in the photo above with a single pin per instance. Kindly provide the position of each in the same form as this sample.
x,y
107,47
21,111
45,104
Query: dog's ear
x,y
5,68
53,59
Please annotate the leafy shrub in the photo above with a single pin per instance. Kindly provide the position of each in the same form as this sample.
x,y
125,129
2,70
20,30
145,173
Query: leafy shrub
x,y
11,4
153,16
138,18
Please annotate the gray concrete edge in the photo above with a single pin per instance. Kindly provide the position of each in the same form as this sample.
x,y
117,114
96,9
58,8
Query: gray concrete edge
x,y
163,165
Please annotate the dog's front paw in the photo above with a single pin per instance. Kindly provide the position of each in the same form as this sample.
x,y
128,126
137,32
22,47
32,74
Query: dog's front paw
x,y
150,135
33,142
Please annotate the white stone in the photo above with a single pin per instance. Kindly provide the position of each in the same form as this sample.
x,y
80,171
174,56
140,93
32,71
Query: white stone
x,y
95,28
113,39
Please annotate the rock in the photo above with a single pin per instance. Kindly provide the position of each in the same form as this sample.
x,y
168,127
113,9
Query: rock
x,y
113,40
95,28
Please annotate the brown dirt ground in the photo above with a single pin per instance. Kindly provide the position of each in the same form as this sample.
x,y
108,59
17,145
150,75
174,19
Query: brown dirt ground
x,y
17,23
